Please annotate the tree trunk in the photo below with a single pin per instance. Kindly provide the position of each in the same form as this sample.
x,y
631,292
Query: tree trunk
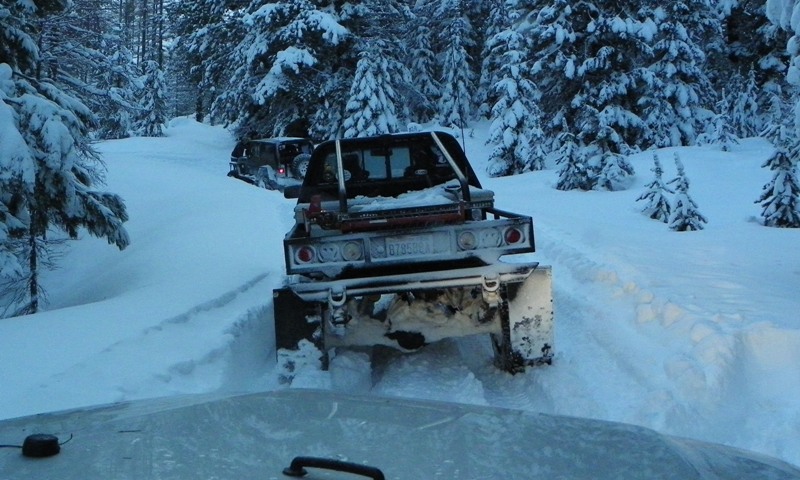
x,y
160,41
144,34
33,274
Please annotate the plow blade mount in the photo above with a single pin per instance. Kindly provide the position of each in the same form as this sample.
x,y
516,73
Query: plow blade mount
x,y
512,303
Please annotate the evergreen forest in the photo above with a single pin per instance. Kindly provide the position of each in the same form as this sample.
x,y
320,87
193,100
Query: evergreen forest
x,y
576,86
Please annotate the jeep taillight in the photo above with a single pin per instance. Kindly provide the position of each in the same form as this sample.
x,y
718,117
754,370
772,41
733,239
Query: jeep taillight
x,y
316,204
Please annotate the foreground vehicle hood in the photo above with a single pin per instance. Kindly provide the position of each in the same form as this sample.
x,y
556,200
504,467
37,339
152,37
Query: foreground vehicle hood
x,y
258,435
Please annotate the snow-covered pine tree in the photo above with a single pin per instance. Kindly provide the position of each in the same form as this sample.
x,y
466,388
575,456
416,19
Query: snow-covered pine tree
x,y
47,167
516,131
423,69
574,172
17,53
205,33
73,51
389,22
720,131
556,32
784,13
10,267
657,204
673,104
371,106
775,112
289,49
685,215
614,79
780,197
327,121
153,114
122,84
744,115
491,55
606,77
613,170
749,42
455,103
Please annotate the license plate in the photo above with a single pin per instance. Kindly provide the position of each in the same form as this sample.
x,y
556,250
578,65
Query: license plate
x,y
409,246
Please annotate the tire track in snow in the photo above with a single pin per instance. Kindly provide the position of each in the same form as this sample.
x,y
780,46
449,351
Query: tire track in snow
x,y
609,364
222,343
625,354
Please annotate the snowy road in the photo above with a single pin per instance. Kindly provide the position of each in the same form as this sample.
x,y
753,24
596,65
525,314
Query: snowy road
x,y
694,334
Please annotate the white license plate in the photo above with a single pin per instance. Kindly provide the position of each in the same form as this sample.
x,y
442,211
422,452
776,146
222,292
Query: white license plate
x,y
409,246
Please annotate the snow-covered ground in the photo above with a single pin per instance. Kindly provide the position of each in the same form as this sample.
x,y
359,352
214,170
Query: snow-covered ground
x,y
695,334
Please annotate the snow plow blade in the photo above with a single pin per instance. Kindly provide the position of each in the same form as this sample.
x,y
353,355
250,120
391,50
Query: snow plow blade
x,y
510,302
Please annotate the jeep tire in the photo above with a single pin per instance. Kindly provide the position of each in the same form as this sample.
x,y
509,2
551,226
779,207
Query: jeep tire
x,y
299,165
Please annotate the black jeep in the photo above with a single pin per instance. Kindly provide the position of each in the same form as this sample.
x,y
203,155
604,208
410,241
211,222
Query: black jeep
x,y
272,163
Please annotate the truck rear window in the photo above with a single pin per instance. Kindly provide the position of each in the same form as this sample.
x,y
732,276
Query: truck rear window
x,y
384,166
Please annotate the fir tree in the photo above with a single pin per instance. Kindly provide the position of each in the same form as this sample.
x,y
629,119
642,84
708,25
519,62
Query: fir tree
x,y
610,170
744,115
675,98
720,131
371,107
556,31
423,71
749,42
657,205
286,53
75,47
9,263
515,131
205,32
122,85
775,117
614,79
780,197
47,167
601,81
383,25
153,115
574,172
501,14
328,120
685,215
455,103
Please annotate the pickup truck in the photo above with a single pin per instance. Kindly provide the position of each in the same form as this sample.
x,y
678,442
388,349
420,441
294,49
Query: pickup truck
x,y
396,243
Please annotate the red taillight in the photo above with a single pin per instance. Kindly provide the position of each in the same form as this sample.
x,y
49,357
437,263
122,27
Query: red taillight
x,y
513,235
282,171
316,204
304,254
